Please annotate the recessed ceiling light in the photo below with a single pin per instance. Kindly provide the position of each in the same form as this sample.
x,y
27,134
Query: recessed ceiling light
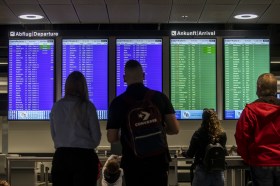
x,y
246,16
31,17
184,16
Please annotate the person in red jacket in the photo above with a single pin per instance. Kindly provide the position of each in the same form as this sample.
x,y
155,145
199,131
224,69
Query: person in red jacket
x,y
258,133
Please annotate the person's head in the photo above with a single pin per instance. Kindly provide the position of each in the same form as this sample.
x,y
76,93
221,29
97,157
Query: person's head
x,y
133,72
112,170
266,85
76,85
113,166
4,183
211,122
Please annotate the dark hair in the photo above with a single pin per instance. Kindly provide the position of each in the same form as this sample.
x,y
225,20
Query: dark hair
x,y
133,64
112,171
211,122
76,85
112,166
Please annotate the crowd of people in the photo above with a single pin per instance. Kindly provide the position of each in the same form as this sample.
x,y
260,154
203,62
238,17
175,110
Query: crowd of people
x,y
140,119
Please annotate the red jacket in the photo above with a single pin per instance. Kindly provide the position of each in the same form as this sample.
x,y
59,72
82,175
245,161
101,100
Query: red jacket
x,y
258,134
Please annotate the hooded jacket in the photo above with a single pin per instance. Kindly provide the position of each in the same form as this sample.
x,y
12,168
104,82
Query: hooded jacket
x,y
258,132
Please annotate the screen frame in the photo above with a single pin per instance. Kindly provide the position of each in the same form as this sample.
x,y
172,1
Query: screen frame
x,y
216,72
108,66
54,74
224,82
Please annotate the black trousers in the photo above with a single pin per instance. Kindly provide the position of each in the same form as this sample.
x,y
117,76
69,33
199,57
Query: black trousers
x,y
74,167
146,174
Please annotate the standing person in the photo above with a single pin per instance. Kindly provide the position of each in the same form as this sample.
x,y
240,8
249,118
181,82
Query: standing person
x,y
210,132
149,170
76,133
258,133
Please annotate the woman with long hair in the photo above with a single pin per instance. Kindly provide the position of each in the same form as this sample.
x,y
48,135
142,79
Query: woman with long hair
x,y
210,132
76,133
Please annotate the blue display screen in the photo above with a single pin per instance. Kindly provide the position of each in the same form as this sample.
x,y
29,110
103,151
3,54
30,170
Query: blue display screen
x,y
89,56
31,79
148,52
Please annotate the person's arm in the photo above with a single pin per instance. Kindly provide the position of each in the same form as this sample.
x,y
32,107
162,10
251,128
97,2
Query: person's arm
x,y
243,134
113,135
114,121
194,145
172,124
52,124
94,125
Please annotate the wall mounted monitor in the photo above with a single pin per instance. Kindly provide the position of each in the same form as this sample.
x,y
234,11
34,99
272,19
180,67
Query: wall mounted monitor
x,y
89,56
31,79
244,61
148,52
193,76
278,95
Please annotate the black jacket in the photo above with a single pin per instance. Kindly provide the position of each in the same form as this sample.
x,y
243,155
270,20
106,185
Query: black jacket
x,y
199,141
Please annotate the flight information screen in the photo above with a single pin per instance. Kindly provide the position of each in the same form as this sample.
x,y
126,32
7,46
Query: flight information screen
x,y
148,52
244,61
31,79
89,56
193,76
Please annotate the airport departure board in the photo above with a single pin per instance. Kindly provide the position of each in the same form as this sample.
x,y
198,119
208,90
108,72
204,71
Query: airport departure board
x,y
193,76
148,52
31,79
244,61
89,56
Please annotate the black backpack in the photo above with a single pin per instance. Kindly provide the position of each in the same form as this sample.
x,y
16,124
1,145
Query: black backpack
x,y
147,136
214,159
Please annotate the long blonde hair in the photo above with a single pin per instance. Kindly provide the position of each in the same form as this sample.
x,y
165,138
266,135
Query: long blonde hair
x,y
212,124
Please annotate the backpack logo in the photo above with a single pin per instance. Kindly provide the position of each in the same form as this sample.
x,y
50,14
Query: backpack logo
x,y
146,131
144,115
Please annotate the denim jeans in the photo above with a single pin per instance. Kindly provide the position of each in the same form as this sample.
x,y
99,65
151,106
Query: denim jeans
x,y
265,176
204,178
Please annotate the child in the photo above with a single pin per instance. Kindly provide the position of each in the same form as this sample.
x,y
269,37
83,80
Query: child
x,y
111,172
4,183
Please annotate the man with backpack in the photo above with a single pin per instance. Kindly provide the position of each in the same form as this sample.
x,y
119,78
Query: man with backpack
x,y
140,118
258,133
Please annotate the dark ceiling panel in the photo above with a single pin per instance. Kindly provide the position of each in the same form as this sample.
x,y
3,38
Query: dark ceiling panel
x,y
191,11
123,13
7,16
92,13
61,14
154,13
22,2
216,13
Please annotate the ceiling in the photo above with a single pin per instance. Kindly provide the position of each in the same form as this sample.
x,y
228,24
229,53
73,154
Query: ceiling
x,y
138,11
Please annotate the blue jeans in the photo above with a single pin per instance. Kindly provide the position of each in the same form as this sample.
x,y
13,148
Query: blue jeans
x,y
204,178
265,176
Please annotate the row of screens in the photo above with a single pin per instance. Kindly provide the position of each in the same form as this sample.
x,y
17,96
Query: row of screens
x,y
192,73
